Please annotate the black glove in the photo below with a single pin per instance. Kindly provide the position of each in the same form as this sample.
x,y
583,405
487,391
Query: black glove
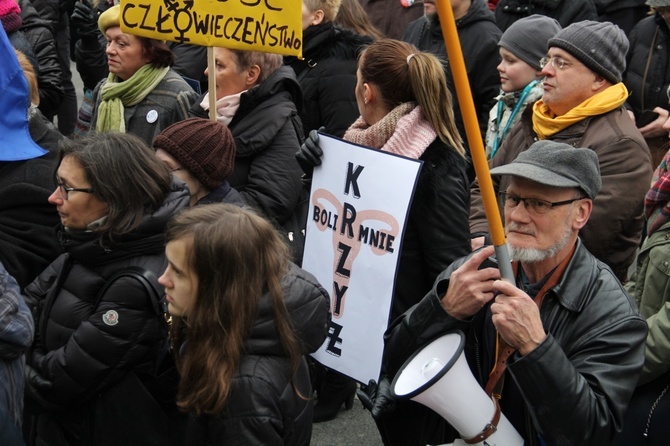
x,y
35,385
377,398
85,19
310,153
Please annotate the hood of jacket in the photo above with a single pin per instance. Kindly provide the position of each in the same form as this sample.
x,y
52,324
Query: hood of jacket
x,y
87,247
478,12
327,41
308,306
282,83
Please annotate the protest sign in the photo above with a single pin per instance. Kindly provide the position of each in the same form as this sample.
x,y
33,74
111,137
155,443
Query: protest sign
x,y
273,26
358,208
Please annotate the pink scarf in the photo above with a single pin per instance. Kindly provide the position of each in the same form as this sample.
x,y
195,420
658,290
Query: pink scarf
x,y
226,107
403,131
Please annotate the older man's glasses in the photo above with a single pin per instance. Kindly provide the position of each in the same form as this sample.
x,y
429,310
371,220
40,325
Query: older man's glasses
x,y
65,190
533,205
557,62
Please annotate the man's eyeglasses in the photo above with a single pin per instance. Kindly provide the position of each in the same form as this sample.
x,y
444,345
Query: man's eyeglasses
x,y
534,205
557,62
65,190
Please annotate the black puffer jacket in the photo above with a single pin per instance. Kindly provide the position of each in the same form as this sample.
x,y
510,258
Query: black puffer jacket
x,y
327,75
84,349
647,73
437,229
268,133
38,32
564,11
263,408
27,221
479,36
577,381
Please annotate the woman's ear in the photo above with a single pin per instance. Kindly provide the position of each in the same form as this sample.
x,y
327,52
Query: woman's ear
x,y
317,17
253,74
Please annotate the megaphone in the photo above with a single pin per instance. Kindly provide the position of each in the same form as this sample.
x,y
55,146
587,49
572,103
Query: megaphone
x,y
438,377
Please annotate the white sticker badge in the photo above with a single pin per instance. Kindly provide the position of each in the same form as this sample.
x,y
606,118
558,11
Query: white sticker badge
x,y
152,116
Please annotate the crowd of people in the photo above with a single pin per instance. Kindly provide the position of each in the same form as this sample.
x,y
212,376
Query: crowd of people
x,y
152,289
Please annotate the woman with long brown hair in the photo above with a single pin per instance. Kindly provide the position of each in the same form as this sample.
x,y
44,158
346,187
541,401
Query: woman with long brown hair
x,y
243,317
406,108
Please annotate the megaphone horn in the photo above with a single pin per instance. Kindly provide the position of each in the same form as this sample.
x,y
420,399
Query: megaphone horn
x,y
438,377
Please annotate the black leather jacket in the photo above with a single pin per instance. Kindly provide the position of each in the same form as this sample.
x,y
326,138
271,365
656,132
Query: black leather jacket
x,y
576,384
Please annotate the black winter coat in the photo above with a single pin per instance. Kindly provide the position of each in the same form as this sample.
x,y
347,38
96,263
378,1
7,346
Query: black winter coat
x,y
479,36
38,32
647,75
327,76
263,408
437,231
268,133
27,221
564,11
83,348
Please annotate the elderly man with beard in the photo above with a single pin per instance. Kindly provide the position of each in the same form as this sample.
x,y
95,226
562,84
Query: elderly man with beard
x,y
563,349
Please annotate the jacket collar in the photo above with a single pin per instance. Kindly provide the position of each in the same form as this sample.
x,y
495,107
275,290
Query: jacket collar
x,y
572,290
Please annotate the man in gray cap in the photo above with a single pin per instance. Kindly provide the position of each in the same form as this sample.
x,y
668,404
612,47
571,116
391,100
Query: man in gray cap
x,y
582,105
562,350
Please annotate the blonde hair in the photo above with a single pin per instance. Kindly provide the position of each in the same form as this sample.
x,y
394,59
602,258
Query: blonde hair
x,y
329,8
404,74
31,77
352,16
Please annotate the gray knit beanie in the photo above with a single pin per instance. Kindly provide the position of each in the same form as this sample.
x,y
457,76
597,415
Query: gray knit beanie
x,y
601,46
658,3
527,38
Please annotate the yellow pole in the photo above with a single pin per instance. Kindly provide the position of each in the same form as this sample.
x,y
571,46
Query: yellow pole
x,y
211,82
473,134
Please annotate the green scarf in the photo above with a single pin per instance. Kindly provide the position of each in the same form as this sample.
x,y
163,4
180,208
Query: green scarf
x,y
116,95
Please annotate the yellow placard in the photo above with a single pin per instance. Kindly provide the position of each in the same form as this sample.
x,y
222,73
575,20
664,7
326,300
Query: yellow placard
x,y
273,26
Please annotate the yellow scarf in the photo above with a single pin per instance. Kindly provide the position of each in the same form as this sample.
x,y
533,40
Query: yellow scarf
x,y
546,124
116,95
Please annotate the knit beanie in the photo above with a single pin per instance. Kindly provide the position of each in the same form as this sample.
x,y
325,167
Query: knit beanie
x,y
9,7
109,18
527,38
601,46
658,3
205,148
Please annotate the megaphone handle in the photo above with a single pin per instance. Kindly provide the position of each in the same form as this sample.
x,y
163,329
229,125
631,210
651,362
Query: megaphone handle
x,y
489,429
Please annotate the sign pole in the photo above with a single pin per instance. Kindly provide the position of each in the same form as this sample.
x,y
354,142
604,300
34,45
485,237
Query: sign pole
x,y
211,82
473,133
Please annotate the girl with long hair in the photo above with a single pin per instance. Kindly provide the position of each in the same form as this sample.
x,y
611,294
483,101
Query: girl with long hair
x,y
243,317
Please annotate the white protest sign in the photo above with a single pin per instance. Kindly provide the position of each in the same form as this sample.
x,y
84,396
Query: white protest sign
x,y
358,209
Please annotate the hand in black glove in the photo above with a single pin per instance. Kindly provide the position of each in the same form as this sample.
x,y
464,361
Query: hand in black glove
x,y
377,398
35,385
85,19
310,153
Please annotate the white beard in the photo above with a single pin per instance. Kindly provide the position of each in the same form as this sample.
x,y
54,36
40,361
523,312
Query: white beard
x,y
534,255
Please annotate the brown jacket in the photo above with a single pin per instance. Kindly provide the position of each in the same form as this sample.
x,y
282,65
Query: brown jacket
x,y
613,231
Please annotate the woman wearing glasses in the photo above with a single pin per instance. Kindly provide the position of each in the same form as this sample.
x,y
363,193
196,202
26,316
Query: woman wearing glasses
x,y
114,199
